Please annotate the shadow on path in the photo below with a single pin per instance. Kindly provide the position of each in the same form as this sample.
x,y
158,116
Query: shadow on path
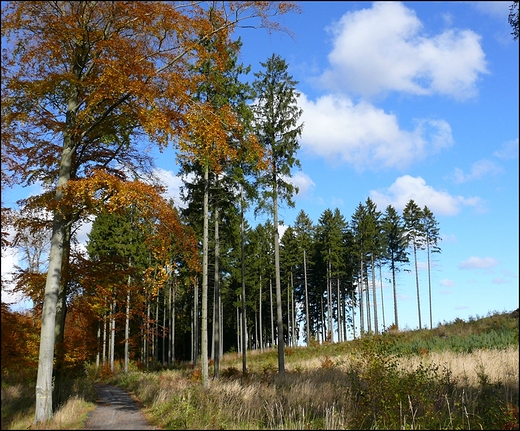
x,y
116,410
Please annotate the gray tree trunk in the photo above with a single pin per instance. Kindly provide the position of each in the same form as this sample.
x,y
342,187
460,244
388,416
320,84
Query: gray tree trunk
x,y
244,346
216,321
374,300
306,300
281,358
127,326
204,316
43,405
417,284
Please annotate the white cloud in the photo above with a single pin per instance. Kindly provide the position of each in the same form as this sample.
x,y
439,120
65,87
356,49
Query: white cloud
x,y
478,170
447,283
366,136
508,150
10,259
475,262
500,281
382,49
173,185
495,9
303,182
407,187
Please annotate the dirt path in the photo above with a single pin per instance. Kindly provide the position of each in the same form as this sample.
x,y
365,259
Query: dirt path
x,y
116,410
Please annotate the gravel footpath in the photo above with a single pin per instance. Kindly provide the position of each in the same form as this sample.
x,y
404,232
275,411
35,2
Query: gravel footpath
x,y
116,410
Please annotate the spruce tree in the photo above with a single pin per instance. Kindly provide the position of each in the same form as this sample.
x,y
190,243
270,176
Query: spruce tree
x,y
431,237
276,125
395,242
414,234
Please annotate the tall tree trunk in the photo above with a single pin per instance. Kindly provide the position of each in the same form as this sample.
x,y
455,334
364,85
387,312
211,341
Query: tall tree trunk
x,y
330,330
394,285
361,300
195,331
289,324
417,284
112,333
216,322
429,283
204,316
376,323
367,299
239,328
127,327
281,358
323,328
172,325
295,341
155,334
338,308
98,340
43,404
147,334
105,336
163,332
382,299
244,347
59,328
307,319
260,312
273,336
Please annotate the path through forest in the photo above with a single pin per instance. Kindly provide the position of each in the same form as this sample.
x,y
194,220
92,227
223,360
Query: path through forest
x,y
116,410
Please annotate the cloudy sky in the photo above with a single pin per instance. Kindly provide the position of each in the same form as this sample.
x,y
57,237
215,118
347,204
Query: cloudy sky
x,y
408,100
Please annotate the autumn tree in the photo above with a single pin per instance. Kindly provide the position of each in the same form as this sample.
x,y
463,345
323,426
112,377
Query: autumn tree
x,y
80,82
276,123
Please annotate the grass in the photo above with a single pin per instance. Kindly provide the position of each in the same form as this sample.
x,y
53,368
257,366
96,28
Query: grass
x,y
462,375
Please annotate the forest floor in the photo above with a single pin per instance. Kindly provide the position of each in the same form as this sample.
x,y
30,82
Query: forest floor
x,y
116,410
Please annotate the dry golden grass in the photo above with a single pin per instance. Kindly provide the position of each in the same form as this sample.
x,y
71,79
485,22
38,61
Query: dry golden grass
x,y
498,365
71,415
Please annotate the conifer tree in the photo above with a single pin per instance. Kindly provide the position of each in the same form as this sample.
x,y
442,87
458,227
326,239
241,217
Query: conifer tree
x,y
414,234
395,241
360,249
304,231
431,237
276,116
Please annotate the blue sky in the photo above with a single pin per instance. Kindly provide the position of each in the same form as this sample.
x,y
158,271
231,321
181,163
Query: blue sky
x,y
412,100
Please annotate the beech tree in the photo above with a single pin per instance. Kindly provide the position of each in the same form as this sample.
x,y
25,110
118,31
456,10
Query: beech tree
x,y
276,124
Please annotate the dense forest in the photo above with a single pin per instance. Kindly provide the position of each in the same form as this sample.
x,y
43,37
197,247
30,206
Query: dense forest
x,y
84,84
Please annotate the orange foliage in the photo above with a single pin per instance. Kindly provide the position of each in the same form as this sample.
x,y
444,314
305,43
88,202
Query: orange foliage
x,y
80,334
20,342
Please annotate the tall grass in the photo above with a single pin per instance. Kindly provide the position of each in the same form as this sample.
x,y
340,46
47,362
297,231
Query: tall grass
x,y
463,375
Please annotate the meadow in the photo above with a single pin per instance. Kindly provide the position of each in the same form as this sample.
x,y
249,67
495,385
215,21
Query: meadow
x,y
458,375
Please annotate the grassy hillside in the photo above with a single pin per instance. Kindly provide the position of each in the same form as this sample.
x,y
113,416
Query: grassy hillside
x,y
461,375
